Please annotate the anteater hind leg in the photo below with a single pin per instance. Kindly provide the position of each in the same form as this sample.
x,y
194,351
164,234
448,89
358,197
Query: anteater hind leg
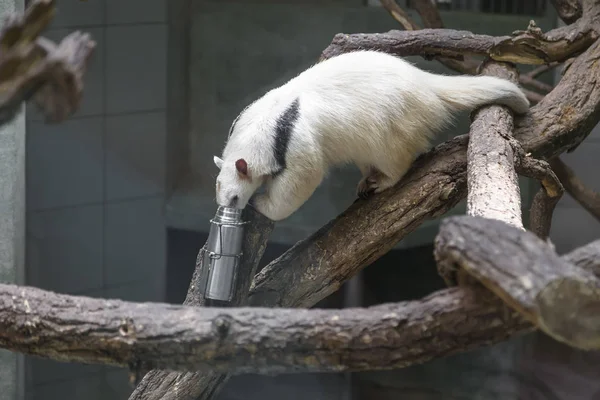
x,y
376,180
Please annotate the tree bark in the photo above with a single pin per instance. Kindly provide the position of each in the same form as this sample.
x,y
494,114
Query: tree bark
x,y
250,340
525,47
525,272
165,385
266,340
492,182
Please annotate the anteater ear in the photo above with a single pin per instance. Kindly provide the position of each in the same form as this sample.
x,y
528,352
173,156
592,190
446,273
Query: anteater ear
x,y
218,162
242,166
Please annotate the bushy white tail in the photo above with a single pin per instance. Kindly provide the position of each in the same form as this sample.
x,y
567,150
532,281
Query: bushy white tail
x,y
470,92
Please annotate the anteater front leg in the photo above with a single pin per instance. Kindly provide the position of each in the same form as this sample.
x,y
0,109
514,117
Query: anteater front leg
x,y
287,192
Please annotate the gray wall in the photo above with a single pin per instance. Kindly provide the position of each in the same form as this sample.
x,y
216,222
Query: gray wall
x,y
96,183
12,230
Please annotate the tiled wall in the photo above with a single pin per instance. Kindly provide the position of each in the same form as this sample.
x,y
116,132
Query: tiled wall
x,y
96,183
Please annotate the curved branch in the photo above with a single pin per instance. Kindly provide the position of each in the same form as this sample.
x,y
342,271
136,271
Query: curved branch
x,y
560,298
399,14
586,197
524,47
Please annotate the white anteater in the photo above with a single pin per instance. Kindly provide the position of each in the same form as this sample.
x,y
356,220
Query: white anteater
x,y
366,107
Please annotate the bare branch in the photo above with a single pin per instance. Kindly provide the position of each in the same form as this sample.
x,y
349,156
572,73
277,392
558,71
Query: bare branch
x,y
533,97
585,196
399,14
568,10
558,297
250,340
429,13
534,83
537,71
158,384
586,257
524,47
493,187
34,67
545,200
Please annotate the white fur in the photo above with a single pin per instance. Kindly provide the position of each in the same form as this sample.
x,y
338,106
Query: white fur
x,y
368,108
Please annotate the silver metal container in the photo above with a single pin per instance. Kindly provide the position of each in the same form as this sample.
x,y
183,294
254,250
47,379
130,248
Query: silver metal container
x,y
222,255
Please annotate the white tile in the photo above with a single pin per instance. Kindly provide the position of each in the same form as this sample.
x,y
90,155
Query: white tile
x,y
572,228
135,241
64,249
92,100
136,68
136,11
88,388
64,163
78,13
135,155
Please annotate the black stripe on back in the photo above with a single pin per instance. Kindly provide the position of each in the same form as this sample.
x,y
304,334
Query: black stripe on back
x,y
283,132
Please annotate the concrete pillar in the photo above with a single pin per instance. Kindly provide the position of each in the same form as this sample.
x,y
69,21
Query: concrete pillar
x,y
12,224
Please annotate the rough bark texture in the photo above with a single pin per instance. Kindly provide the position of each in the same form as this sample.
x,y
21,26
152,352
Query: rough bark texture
x,y
169,385
586,197
560,298
586,257
251,340
492,182
33,67
568,10
266,340
525,47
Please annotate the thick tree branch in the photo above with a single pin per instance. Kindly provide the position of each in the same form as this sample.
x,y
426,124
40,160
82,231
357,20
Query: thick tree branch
x,y
250,340
493,186
586,197
560,298
34,67
523,47
158,384
264,340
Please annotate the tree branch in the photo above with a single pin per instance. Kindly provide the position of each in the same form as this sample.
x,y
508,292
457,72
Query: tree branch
x,y
585,196
493,187
158,384
249,340
523,47
399,14
265,340
558,297
34,67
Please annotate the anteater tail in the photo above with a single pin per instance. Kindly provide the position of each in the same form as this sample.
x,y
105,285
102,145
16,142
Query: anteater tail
x,y
470,92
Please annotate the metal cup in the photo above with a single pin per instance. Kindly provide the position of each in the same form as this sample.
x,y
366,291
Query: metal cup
x,y
222,254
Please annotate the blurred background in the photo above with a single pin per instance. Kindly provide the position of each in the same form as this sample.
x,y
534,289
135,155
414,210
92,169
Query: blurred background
x,y
118,198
